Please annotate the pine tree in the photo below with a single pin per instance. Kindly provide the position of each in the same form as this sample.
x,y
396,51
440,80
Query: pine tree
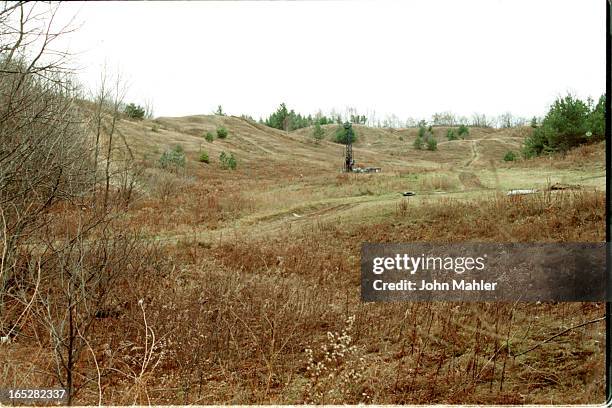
x,y
318,133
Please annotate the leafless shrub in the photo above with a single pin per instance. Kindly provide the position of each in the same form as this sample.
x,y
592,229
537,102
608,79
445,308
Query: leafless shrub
x,y
165,185
63,256
80,280
43,154
335,371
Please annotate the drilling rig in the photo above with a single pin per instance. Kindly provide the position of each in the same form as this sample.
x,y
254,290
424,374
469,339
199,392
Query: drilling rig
x,y
348,156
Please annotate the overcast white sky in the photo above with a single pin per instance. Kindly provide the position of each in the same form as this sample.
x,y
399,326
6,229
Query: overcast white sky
x,y
408,58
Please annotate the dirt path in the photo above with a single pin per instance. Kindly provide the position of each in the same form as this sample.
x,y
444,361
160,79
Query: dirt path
x,y
257,225
260,225
474,154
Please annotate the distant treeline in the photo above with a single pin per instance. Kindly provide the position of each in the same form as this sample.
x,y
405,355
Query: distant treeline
x,y
286,119
569,122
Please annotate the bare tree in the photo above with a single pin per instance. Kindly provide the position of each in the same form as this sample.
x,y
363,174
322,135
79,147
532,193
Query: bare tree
x,y
117,101
148,108
79,282
506,120
104,117
100,100
60,267
411,122
42,157
481,120
444,119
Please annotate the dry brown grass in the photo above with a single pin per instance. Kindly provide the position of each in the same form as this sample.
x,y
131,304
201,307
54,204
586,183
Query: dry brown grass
x,y
545,217
239,296
446,353
585,156
470,180
237,317
438,182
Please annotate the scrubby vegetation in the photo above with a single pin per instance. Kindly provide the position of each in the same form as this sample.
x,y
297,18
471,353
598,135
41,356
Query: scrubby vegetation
x,y
425,139
222,132
134,111
67,257
463,131
432,143
570,122
172,159
418,142
209,136
130,274
228,161
510,156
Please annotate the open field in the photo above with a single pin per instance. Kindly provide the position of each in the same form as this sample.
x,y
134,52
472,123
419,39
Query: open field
x,y
251,276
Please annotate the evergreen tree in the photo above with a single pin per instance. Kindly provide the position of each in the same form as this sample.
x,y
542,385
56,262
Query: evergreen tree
x,y
569,123
318,133
343,135
278,119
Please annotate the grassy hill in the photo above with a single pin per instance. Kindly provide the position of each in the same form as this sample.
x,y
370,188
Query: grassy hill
x,y
242,272
278,240
261,147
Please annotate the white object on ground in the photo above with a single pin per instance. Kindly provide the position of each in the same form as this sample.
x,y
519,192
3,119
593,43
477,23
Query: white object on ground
x,y
521,192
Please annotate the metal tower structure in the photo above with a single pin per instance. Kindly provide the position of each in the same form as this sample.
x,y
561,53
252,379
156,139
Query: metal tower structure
x,y
348,156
